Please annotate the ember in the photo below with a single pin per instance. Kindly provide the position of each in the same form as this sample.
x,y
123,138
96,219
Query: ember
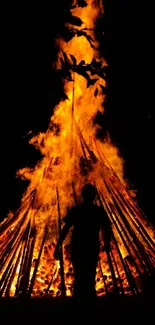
x,y
72,156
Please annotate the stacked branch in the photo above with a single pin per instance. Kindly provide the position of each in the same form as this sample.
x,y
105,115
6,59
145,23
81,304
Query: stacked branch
x,y
123,270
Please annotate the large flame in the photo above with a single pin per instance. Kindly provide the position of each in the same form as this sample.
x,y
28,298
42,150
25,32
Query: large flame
x,y
70,141
62,149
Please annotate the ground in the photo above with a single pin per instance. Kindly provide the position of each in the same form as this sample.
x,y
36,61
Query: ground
x,y
110,309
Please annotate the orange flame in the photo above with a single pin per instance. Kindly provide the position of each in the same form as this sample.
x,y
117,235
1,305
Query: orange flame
x,y
63,167
62,158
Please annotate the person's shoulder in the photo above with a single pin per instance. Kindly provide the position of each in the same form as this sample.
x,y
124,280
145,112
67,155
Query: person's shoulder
x,y
69,217
74,209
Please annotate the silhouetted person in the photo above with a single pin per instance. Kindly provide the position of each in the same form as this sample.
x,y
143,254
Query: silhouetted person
x,y
87,220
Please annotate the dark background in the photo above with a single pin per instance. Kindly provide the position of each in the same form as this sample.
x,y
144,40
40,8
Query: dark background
x,y
30,89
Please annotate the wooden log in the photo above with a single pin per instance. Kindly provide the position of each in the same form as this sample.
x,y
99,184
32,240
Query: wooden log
x,y
102,156
20,270
29,262
141,230
7,271
37,263
122,233
4,285
74,193
7,292
63,288
116,291
105,286
14,243
23,268
9,221
16,234
117,270
131,237
109,213
50,283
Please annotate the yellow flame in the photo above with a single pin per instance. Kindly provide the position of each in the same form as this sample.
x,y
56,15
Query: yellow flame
x,y
62,152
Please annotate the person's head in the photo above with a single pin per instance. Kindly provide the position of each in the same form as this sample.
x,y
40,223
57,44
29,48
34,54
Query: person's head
x,y
88,193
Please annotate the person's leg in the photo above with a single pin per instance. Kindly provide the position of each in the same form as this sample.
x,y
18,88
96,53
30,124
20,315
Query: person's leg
x,y
89,275
78,279
85,272
77,263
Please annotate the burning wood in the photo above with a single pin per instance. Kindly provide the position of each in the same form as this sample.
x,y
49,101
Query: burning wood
x,y
72,156
63,290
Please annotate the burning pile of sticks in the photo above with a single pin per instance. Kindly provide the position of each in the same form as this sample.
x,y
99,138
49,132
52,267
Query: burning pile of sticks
x,y
24,257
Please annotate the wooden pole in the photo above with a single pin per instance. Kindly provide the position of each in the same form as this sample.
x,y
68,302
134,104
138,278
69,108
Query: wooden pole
x,y
109,213
74,193
117,270
9,221
37,263
63,289
129,195
50,283
130,235
7,292
105,286
14,243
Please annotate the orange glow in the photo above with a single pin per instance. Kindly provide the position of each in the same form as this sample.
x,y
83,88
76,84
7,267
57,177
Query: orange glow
x,y
61,165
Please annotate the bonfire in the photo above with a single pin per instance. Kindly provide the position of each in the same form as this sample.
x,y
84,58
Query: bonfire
x,y
73,155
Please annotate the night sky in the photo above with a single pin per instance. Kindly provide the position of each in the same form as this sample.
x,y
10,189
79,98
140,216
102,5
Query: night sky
x,y
30,90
